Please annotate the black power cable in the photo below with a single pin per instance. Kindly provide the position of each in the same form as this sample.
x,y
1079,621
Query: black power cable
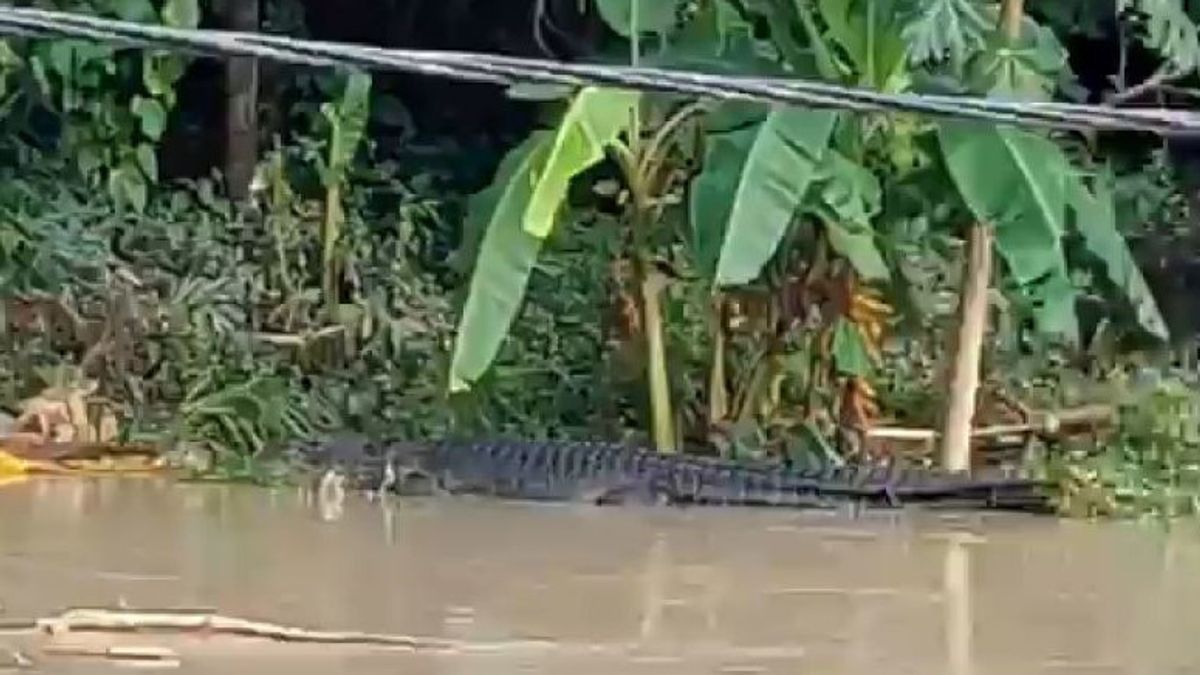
x,y
507,70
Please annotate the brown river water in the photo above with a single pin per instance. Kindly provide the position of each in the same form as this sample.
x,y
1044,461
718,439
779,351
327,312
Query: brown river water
x,y
520,588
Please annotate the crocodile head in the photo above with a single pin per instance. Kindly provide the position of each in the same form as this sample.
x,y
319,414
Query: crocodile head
x,y
379,466
408,465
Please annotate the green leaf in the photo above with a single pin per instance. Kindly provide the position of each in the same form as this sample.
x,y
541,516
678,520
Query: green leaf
x,y
61,57
127,187
1054,312
945,29
718,40
349,120
134,10
181,13
1030,70
711,193
850,354
1014,181
751,191
868,31
160,72
88,160
152,115
847,197
9,59
148,162
1170,31
653,16
507,256
1095,220
858,246
595,119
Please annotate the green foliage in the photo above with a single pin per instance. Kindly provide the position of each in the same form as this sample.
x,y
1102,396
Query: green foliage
x,y
1016,182
507,256
849,352
243,420
644,16
847,200
1168,30
592,123
1151,468
945,29
112,106
347,118
770,190
46,242
228,330
1030,69
181,13
1095,220
751,194
529,199
866,32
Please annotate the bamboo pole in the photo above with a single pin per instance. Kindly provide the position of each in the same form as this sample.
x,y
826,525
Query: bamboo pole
x,y
968,347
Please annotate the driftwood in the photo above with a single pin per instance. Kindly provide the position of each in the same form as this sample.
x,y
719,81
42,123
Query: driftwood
x,y
101,619
208,622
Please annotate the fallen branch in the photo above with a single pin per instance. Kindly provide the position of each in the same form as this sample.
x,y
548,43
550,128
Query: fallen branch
x,y
137,620
208,623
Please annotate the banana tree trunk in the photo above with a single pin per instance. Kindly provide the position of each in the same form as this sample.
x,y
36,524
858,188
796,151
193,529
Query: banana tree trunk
x,y
660,388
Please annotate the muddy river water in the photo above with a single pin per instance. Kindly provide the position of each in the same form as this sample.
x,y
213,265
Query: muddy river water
x,y
564,589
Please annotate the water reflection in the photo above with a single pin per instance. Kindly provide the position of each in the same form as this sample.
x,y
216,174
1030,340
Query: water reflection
x,y
622,590
958,618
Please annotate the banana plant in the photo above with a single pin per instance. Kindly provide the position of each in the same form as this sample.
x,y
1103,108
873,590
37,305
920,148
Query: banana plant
x,y
766,169
519,211
347,118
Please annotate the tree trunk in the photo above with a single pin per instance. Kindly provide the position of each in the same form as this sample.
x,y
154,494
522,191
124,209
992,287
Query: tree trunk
x,y
241,105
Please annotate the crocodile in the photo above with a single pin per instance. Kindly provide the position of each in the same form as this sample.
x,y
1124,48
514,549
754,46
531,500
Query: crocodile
x,y
614,473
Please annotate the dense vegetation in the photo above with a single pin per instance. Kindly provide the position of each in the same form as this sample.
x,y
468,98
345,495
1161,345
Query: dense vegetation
x,y
708,277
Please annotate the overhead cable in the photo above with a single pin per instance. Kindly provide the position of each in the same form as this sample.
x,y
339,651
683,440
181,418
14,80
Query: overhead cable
x,y
503,70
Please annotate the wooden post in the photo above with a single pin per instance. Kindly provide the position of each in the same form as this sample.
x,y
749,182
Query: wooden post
x,y
968,348
977,274
241,104
1012,13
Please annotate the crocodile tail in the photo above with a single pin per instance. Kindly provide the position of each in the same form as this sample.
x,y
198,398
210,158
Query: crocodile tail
x,y
966,490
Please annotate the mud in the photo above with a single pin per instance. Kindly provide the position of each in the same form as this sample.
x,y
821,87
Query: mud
x,y
507,587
